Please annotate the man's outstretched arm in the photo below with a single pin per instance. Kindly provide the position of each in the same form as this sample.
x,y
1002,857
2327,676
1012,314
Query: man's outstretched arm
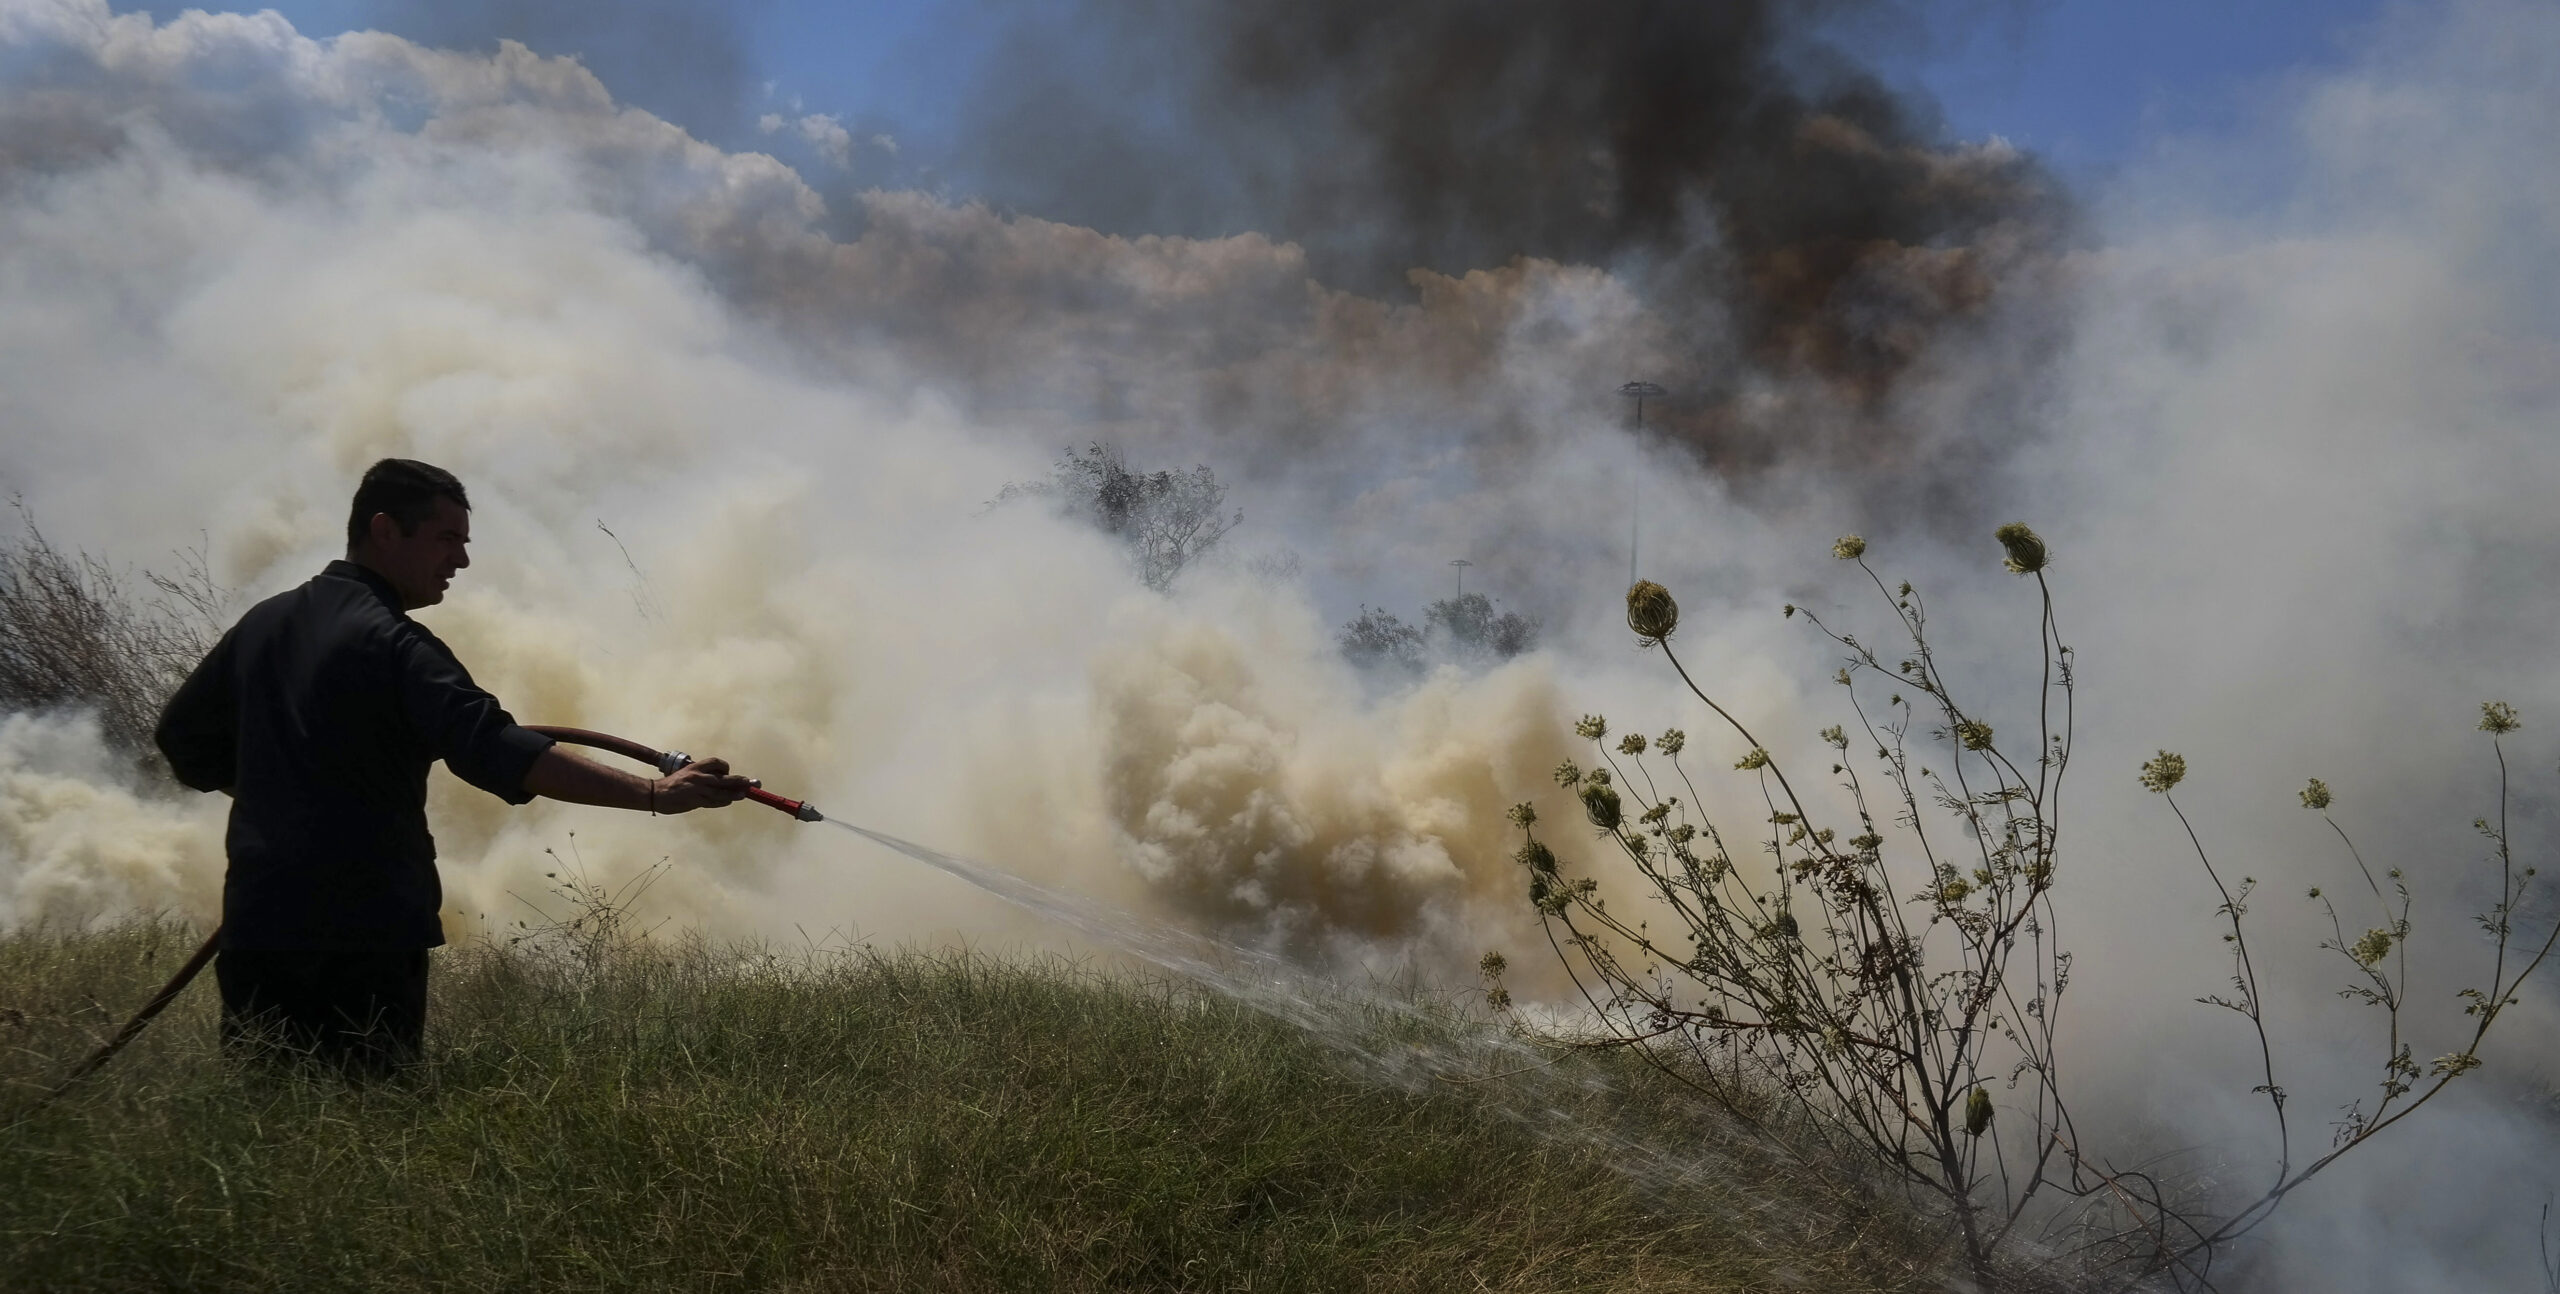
x,y
705,783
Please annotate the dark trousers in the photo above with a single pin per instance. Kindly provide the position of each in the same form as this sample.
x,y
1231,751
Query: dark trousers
x,y
363,1014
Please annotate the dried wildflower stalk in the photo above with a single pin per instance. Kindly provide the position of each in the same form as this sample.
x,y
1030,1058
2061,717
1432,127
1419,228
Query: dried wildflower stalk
x,y
1916,1022
1910,1011
2379,964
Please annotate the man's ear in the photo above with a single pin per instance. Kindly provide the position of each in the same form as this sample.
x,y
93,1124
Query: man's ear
x,y
381,532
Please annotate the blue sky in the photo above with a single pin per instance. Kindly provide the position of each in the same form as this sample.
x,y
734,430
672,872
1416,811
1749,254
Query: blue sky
x,y
2084,83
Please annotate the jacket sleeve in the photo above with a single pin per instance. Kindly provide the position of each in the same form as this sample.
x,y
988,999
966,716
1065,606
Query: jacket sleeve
x,y
461,724
199,732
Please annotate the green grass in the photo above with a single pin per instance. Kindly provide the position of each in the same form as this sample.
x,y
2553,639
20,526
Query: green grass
x,y
690,1117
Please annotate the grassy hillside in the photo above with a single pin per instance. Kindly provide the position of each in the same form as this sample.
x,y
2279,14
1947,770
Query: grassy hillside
x,y
690,1117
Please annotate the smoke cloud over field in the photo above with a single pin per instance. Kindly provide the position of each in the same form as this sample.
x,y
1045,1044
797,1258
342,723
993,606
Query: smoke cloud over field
x,y
245,263
2291,452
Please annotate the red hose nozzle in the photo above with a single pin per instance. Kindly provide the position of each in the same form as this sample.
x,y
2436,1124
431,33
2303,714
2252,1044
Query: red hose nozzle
x,y
801,809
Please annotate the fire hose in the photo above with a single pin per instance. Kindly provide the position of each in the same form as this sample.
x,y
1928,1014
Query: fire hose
x,y
666,762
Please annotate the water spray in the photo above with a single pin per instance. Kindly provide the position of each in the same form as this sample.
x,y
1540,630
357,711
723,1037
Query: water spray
x,y
666,762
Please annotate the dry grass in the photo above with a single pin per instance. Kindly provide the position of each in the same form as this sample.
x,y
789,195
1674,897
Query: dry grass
x,y
694,1117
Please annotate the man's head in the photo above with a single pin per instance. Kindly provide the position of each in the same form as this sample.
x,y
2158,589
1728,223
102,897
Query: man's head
x,y
410,524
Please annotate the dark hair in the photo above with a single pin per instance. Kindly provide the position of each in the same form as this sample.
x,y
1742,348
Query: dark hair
x,y
405,488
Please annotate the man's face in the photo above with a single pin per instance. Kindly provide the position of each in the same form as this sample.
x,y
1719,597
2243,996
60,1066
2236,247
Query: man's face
x,y
420,565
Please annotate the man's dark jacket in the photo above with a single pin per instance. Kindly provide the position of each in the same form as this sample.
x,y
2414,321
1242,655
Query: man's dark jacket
x,y
320,712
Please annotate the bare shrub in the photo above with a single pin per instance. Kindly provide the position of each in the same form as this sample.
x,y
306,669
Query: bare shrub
x,y
1377,640
1895,987
1470,629
75,636
1167,519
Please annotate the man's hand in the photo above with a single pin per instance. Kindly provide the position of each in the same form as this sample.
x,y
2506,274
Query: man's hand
x,y
702,784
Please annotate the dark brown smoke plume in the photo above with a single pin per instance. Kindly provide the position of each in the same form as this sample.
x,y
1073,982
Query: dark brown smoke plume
x,y
1807,235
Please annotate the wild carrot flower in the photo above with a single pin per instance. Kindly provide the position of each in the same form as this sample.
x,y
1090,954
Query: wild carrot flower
x,y
1650,612
1600,804
2370,950
2163,771
2025,548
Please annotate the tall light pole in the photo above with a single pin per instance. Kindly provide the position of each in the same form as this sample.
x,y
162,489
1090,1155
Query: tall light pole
x,y
1638,392
1462,564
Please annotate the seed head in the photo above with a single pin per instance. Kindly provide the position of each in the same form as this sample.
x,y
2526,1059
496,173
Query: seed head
x,y
1568,773
1650,612
1523,815
1977,1112
1975,734
2163,771
1631,744
1539,859
1836,737
1758,758
2316,795
1600,804
2024,546
1492,965
1849,548
2498,717
1672,741
1591,728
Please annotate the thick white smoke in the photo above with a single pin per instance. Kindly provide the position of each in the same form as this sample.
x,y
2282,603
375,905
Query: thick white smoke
x,y
2295,481
243,263
2306,479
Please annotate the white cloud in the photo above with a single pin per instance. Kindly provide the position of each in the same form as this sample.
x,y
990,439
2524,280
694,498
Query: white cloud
x,y
829,137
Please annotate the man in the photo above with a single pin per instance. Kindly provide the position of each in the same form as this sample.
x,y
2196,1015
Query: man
x,y
319,713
